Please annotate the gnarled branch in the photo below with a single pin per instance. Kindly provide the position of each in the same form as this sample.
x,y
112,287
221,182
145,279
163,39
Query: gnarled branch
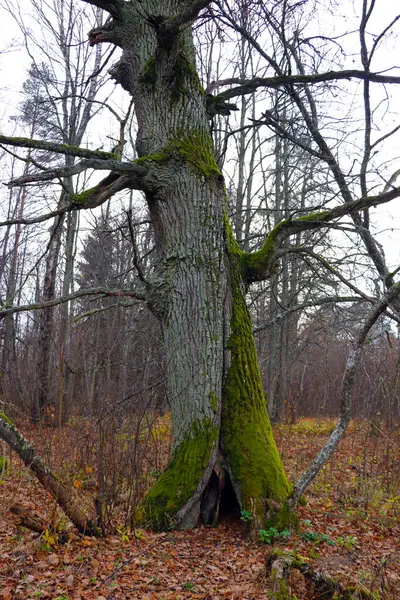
x,y
257,266
90,163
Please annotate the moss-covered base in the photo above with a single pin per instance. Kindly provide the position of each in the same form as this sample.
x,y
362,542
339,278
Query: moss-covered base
x,y
247,440
283,519
180,480
3,466
249,452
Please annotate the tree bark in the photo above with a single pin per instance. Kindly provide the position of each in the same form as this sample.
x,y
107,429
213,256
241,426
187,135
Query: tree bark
x,y
214,384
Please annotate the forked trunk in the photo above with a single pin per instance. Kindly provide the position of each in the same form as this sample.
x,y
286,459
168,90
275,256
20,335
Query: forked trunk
x,y
220,424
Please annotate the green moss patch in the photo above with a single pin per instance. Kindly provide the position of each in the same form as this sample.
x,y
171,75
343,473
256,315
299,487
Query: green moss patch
x,y
3,465
246,434
180,479
6,419
196,149
84,197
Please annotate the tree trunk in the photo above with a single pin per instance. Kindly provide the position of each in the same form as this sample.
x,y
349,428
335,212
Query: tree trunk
x,y
214,384
43,399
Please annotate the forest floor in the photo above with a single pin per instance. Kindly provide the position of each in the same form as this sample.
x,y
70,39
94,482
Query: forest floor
x,y
350,527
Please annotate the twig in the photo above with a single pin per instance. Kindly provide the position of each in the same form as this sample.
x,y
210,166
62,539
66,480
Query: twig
x,y
132,558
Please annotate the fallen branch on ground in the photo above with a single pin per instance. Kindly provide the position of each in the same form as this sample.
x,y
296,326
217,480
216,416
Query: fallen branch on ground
x,y
324,587
62,495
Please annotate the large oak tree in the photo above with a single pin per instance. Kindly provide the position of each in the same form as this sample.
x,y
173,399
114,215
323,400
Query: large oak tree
x,y
198,287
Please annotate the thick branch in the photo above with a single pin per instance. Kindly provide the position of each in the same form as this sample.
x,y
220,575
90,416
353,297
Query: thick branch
x,y
248,86
257,266
104,190
65,149
49,481
101,292
113,7
91,163
90,198
185,18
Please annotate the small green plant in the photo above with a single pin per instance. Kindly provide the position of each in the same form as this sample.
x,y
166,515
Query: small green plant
x,y
348,542
317,538
124,534
310,536
267,536
3,466
246,516
324,537
139,535
188,586
48,540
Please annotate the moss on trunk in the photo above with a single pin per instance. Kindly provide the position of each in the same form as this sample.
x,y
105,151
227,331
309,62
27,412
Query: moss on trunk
x,y
245,437
179,482
247,440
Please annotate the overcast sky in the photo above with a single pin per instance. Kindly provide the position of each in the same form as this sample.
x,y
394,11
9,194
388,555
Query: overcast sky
x,y
14,63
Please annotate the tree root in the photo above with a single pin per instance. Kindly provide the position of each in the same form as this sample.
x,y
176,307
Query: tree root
x,y
324,587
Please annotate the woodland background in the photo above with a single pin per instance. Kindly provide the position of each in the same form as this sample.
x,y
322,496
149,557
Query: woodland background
x,y
93,365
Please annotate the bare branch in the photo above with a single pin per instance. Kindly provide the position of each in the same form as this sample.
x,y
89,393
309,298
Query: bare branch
x,y
353,362
136,260
337,274
303,305
257,265
101,292
245,87
55,147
